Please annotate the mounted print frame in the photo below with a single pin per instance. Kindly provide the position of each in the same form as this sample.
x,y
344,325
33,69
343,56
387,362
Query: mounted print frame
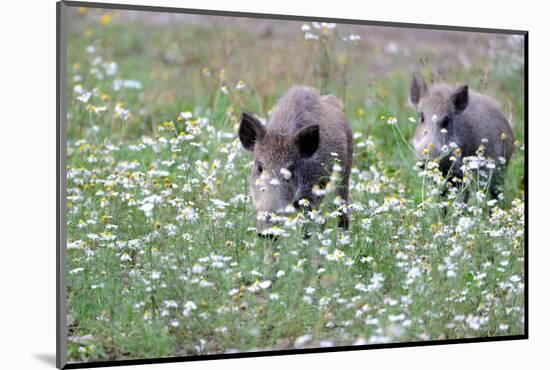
x,y
238,184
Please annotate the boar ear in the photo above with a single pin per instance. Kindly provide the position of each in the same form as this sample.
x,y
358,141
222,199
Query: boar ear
x,y
250,130
307,140
418,89
459,98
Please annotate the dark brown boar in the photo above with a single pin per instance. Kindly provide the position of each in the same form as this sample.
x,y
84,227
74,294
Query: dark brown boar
x,y
294,151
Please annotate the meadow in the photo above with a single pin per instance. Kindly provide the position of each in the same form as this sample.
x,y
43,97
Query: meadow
x,y
163,259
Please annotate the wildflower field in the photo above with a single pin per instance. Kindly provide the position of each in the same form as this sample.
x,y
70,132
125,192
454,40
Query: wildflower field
x,y
163,259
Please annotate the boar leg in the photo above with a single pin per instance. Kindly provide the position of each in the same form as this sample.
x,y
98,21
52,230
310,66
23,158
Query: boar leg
x,y
343,220
466,196
496,183
342,191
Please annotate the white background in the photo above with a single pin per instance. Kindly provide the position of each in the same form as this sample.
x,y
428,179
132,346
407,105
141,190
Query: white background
x,y
27,182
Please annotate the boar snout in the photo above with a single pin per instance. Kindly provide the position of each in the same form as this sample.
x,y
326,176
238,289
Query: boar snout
x,y
263,223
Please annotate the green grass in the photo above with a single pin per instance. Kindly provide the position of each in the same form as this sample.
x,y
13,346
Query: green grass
x,y
192,278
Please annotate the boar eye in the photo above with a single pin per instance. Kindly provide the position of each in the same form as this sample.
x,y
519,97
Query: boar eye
x,y
445,122
260,167
421,117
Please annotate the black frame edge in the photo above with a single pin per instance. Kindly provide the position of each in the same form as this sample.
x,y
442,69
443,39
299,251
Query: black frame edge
x,y
163,360
288,17
58,363
526,181
61,296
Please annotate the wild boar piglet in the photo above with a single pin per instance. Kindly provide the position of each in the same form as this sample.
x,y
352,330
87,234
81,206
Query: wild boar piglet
x,y
305,135
457,122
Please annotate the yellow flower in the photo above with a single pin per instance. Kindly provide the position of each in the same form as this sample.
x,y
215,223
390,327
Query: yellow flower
x,y
240,85
105,18
82,10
